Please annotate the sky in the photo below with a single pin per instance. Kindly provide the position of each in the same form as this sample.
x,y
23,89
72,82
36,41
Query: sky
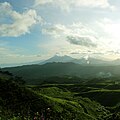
x,y
33,30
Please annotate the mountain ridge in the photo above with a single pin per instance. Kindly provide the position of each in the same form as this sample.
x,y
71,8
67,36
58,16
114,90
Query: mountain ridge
x,y
64,59
38,72
84,61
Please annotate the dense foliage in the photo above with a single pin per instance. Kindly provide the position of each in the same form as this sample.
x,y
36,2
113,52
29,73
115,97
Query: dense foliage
x,y
54,101
36,74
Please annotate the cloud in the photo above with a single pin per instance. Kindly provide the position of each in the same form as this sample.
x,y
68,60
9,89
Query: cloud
x,y
74,53
20,23
110,27
73,29
57,30
109,33
76,34
10,56
83,41
67,4
100,37
117,52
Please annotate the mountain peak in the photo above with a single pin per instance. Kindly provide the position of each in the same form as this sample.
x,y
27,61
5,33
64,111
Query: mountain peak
x,y
58,58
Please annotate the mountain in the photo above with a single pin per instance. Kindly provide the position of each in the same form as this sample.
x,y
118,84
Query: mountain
x,y
64,59
37,73
90,61
83,61
57,58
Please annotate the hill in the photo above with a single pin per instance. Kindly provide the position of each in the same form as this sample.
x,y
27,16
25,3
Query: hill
x,y
34,74
26,102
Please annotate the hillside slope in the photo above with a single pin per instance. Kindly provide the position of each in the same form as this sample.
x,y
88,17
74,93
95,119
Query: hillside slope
x,y
33,73
20,102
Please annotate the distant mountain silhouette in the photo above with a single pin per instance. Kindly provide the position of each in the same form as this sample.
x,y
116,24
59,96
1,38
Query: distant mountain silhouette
x,y
65,59
57,58
90,61
83,61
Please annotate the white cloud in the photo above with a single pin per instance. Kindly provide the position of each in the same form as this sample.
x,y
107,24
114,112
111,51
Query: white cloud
x,y
67,4
100,39
43,1
20,22
110,36
73,29
13,57
57,30
76,34
110,27
81,40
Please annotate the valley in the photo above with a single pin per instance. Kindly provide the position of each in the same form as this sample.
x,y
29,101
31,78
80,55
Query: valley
x,y
66,98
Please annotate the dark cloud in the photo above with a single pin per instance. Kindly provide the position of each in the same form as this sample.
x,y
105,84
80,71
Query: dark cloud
x,y
83,41
113,52
74,53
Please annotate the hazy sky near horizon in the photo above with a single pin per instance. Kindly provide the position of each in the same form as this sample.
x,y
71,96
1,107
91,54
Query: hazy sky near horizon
x,y
32,30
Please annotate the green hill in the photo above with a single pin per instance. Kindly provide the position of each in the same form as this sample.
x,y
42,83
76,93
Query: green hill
x,y
18,101
105,97
36,74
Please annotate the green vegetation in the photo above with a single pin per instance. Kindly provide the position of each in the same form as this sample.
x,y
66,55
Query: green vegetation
x,y
52,72
88,99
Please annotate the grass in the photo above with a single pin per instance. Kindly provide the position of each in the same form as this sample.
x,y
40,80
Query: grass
x,y
66,101
105,97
